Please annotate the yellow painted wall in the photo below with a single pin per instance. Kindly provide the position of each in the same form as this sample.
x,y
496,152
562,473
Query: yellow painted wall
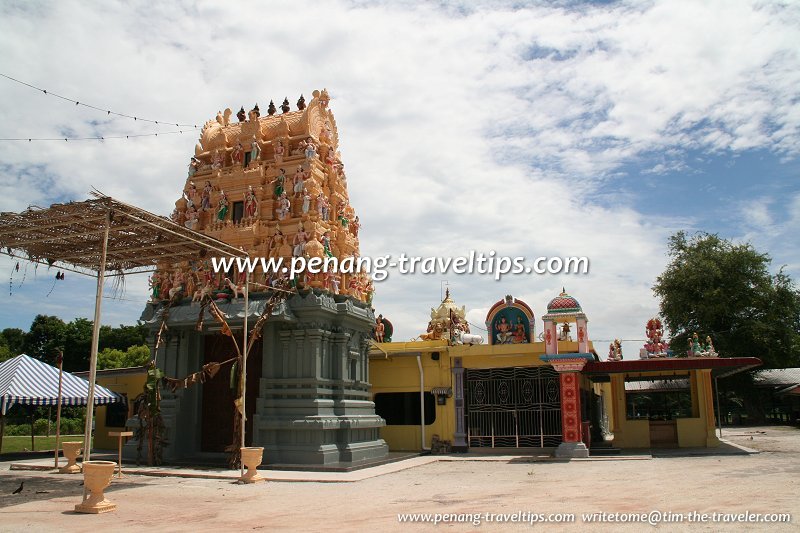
x,y
393,368
129,384
400,373
697,431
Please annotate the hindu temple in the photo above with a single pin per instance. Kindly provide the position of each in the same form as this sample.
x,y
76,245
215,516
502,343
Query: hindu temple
x,y
274,186
500,385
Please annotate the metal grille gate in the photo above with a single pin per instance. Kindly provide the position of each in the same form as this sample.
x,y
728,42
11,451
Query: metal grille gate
x,y
513,407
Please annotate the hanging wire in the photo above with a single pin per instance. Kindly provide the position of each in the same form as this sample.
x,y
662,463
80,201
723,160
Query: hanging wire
x,y
107,111
104,138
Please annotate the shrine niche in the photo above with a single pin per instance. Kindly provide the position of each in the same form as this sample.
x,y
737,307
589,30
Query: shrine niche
x,y
510,321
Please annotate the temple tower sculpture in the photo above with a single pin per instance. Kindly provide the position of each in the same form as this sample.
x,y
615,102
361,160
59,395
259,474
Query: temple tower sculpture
x,y
274,186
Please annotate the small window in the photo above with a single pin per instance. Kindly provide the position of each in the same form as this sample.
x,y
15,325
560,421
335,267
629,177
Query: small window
x,y
402,408
116,414
238,212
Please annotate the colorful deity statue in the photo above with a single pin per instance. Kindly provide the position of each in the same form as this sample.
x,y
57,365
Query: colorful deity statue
x,y
322,206
615,351
504,332
194,166
355,225
380,329
192,218
280,182
655,345
205,199
284,207
564,335
237,154
306,201
278,149
155,285
222,206
311,149
216,160
326,243
255,150
250,203
299,181
299,241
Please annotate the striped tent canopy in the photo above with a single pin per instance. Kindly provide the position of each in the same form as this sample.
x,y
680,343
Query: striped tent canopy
x,y
28,381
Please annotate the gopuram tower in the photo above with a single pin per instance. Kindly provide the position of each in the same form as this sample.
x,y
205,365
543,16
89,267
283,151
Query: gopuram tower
x,y
275,187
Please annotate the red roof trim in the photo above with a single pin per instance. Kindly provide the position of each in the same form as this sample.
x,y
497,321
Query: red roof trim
x,y
649,365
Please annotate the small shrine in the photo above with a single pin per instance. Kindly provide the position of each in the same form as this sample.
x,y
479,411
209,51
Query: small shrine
x,y
510,321
564,310
449,322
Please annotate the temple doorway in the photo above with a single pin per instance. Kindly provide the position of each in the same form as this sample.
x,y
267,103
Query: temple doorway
x,y
217,404
513,407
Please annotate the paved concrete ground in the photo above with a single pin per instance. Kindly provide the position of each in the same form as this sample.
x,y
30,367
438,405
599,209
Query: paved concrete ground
x,y
462,488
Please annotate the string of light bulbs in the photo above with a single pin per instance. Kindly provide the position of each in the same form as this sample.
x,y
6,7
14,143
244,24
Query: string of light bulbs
x,y
107,111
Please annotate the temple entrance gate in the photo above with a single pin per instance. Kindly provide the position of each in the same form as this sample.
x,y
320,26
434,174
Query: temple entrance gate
x,y
513,407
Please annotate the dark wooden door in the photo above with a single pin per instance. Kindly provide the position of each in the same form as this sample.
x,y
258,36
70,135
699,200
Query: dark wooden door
x,y
217,405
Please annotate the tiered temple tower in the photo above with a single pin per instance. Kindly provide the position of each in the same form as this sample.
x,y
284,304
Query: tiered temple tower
x,y
274,186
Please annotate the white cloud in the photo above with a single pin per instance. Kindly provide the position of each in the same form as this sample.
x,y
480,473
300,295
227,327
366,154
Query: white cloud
x,y
462,127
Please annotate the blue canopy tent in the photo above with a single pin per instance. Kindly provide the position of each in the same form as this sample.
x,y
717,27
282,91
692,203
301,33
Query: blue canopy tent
x,y
28,381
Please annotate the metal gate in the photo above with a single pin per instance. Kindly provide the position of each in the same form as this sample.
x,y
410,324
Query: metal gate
x,y
513,407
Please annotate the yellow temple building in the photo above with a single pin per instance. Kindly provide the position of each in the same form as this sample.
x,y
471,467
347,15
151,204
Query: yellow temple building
x,y
450,391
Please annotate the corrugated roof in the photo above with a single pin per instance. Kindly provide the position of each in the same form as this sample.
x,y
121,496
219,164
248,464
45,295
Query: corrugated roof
x,y
777,377
661,385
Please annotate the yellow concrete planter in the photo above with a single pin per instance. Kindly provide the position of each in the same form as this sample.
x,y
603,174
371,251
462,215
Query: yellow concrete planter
x,y
71,451
96,477
252,457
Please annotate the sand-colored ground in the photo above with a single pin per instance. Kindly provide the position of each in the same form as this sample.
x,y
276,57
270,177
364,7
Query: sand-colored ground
x,y
768,482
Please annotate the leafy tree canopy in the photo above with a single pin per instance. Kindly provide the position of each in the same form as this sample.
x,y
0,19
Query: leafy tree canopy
x,y
113,358
49,334
725,290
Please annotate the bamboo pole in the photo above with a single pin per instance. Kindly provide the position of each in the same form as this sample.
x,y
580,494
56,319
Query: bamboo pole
x,y
244,370
60,360
87,432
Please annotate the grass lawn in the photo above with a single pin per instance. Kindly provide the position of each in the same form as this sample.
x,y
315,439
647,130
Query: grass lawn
x,y
23,443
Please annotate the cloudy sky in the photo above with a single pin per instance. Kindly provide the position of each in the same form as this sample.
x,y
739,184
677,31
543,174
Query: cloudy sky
x,y
532,129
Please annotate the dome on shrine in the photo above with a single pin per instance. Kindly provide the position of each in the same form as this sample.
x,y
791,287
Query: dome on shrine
x,y
564,304
445,308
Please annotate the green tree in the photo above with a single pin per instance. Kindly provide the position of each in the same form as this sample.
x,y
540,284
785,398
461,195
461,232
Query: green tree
x,y
5,353
123,336
113,358
14,339
77,344
725,290
45,338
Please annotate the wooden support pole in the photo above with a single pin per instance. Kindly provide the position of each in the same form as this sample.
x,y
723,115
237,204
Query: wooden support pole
x,y
60,360
87,433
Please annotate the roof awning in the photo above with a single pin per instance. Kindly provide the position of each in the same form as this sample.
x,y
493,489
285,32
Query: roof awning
x,y
72,235
720,366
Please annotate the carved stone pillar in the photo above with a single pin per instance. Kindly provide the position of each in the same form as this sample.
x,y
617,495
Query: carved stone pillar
x,y
460,435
